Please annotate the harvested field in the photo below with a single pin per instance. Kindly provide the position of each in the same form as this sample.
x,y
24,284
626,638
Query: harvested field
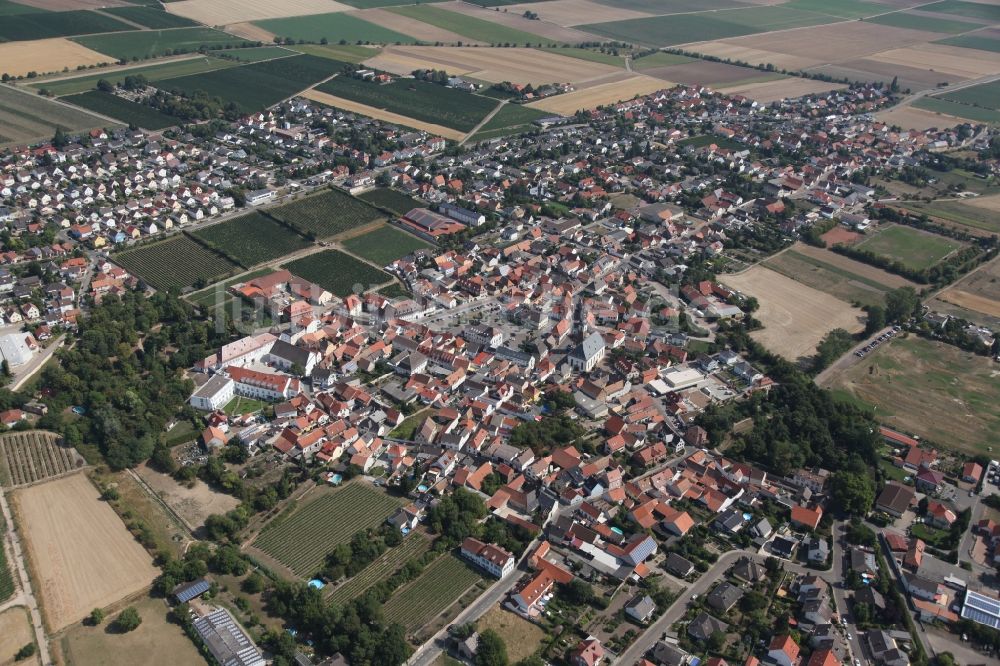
x,y
910,117
250,31
25,117
843,278
705,72
193,505
80,553
770,91
819,45
975,297
301,537
515,21
522,638
222,12
35,455
795,316
599,95
950,395
518,65
730,50
576,12
46,55
424,32
159,641
944,59
15,633
381,114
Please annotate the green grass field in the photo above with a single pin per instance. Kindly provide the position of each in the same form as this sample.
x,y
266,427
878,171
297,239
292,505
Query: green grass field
x,y
684,28
958,213
352,53
301,539
985,95
240,405
9,8
174,263
419,100
385,566
981,42
468,26
590,55
384,245
325,214
156,19
511,119
43,25
258,85
939,105
334,27
913,248
672,6
932,389
848,9
128,112
976,10
152,72
391,200
919,22
252,239
143,44
339,273
437,588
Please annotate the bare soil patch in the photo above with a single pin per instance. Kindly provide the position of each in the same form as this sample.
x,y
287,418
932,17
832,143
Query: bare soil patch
x,y
46,55
519,65
224,12
795,317
840,235
193,505
516,20
975,297
733,51
381,114
80,553
576,12
770,91
703,72
599,95
944,59
417,29
15,633
909,117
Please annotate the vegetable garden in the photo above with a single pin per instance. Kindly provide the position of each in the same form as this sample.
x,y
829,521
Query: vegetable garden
x,y
301,539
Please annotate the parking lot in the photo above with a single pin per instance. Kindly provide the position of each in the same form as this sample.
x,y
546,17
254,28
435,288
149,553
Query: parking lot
x,y
874,343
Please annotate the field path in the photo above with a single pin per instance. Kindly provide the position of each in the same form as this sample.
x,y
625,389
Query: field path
x,y
488,118
25,582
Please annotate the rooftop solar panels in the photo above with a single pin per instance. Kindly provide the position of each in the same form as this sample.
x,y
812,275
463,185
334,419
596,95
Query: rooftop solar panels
x,y
982,609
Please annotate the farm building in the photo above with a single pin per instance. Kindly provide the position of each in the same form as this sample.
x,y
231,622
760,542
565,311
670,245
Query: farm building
x,y
430,225
226,640
185,592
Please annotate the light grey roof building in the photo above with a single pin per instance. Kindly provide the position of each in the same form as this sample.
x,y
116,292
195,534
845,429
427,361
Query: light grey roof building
x,y
227,641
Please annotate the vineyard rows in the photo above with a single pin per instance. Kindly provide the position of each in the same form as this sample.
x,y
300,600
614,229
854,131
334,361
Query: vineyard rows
x,y
302,539
326,214
385,566
177,262
252,239
28,457
438,587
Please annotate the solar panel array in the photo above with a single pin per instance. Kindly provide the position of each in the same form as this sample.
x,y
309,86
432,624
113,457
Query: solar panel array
x,y
982,609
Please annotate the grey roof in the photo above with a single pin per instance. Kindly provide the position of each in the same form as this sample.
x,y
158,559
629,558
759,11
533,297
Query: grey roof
x,y
289,352
704,625
724,596
668,654
227,641
187,591
589,348
677,564
641,607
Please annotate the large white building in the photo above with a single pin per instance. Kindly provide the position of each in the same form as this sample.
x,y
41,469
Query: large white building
x,y
488,556
588,353
214,394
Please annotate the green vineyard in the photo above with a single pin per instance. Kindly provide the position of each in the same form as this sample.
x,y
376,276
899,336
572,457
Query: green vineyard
x,y
437,588
389,563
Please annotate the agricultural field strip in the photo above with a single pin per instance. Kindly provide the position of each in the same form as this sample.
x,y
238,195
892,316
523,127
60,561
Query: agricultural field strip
x,y
175,262
301,540
34,456
326,214
385,566
252,239
437,588
338,272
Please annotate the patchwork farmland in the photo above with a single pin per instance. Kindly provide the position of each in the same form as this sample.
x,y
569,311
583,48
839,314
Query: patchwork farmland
x,y
251,239
175,263
142,44
328,213
301,539
438,587
25,117
68,85
339,273
385,566
122,109
32,456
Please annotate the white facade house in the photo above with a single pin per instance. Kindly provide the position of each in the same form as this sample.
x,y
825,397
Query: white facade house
x,y
214,394
492,558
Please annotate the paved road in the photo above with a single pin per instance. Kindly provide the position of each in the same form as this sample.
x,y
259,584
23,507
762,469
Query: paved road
x,y
26,593
28,370
839,591
849,359
488,118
